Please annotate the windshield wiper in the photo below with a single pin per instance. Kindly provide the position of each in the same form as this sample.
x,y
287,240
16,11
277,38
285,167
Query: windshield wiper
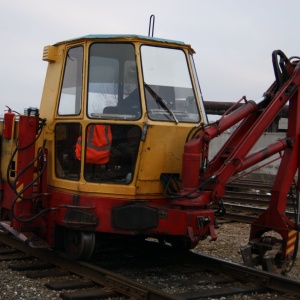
x,y
160,101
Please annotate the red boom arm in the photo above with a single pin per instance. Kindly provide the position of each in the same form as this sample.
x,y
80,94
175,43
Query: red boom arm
x,y
206,180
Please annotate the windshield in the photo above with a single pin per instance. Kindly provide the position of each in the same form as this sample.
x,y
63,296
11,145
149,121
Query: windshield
x,y
168,86
113,91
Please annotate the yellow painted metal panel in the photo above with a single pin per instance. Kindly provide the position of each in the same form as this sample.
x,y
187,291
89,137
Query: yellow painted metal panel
x,y
161,153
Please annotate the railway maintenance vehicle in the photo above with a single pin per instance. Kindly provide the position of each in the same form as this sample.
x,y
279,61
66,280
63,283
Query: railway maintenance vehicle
x,y
120,147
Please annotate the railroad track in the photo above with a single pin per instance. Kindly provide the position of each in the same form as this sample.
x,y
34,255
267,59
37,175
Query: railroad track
x,y
146,272
90,283
245,200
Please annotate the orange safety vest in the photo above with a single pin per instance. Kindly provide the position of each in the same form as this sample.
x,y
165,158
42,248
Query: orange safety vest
x,y
98,143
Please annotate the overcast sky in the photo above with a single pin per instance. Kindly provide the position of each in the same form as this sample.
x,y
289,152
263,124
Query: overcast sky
x,y
233,39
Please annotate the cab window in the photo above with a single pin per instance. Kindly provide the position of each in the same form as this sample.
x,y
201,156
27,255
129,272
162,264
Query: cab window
x,y
71,90
110,152
168,86
113,91
67,166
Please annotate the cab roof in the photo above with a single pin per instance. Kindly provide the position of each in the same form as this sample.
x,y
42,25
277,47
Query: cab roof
x,y
127,37
124,36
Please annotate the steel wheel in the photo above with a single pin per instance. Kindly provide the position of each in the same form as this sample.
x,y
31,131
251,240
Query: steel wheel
x,y
79,244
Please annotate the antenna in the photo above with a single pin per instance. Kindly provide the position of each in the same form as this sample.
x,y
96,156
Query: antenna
x,y
151,25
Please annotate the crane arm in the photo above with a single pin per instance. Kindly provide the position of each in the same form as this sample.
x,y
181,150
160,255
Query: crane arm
x,y
205,181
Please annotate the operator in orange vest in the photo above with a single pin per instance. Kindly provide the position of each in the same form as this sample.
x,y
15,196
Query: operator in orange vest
x,y
98,144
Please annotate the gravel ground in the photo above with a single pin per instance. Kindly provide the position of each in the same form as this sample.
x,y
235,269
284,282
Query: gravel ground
x,y
15,286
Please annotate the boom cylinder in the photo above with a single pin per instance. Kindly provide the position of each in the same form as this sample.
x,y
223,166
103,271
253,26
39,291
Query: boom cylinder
x,y
231,119
191,164
262,154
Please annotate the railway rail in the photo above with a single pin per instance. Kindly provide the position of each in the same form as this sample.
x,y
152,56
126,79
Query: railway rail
x,y
151,271
245,200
